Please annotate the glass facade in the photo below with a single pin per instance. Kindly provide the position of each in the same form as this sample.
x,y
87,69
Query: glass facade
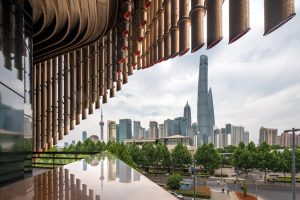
x,y
15,93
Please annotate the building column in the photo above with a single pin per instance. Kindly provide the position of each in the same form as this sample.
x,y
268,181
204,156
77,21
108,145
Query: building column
x,y
73,56
49,103
66,93
79,64
44,106
54,100
60,97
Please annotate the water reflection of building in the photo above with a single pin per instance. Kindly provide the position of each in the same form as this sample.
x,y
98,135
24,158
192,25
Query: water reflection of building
x,y
102,173
112,169
54,184
124,172
84,165
136,175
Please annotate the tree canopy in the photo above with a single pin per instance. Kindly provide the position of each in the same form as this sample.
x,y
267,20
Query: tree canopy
x,y
208,157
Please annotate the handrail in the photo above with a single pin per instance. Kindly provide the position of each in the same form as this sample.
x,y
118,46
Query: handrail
x,y
51,156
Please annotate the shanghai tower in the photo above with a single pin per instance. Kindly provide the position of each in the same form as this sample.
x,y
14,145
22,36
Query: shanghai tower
x,y
205,108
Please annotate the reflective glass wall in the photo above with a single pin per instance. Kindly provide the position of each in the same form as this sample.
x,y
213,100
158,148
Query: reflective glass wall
x,y
15,93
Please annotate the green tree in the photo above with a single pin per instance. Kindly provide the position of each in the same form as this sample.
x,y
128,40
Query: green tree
x,y
208,157
149,153
244,159
174,181
181,156
136,153
230,148
285,161
265,159
163,156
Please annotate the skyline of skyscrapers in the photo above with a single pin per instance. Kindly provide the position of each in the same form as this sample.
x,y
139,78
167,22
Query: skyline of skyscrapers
x,y
205,108
230,135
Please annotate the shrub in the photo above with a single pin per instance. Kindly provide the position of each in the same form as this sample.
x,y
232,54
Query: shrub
x,y
174,181
219,175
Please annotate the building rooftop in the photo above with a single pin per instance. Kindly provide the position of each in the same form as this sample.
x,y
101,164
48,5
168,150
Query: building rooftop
x,y
176,137
99,177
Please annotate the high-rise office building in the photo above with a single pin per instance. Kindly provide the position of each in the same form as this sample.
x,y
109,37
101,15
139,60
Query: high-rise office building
x,y
143,133
66,144
125,129
84,135
238,134
111,131
162,131
205,109
187,114
117,133
170,127
220,138
136,129
268,135
181,126
153,130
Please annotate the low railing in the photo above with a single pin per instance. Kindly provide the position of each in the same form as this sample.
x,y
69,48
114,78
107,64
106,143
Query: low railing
x,y
48,160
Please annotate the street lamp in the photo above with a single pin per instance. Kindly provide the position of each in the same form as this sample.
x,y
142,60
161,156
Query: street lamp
x,y
293,161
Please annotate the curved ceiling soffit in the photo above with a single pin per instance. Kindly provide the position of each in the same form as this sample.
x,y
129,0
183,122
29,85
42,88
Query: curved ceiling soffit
x,y
76,24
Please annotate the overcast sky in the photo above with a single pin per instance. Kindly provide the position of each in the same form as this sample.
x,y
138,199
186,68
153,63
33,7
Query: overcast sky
x,y
255,82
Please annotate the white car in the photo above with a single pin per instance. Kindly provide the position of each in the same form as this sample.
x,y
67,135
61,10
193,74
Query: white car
x,y
178,196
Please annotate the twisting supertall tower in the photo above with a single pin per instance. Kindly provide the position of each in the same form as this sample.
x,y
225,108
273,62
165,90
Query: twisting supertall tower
x,y
101,123
205,108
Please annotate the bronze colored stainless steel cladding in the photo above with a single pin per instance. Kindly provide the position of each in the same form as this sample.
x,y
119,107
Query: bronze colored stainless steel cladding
x,y
214,22
167,26
174,31
238,19
197,24
84,49
278,13
184,24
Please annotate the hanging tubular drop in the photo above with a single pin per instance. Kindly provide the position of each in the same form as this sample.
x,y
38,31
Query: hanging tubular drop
x,y
214,22
238,19
278,13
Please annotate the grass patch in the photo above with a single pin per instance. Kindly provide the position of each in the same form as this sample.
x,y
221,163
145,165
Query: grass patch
x,y
201,192
283,180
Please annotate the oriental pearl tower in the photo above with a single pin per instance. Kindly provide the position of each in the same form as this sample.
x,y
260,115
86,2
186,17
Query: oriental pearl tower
x,y
101,123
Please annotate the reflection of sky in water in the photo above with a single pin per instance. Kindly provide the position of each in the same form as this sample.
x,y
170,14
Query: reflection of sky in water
x,y
91,176
113,179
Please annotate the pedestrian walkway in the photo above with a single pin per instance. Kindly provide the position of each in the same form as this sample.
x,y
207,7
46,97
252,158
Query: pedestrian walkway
x,y
219,195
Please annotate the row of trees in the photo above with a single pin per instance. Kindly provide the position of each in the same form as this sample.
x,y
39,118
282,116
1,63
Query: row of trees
x,y
244,157
264,158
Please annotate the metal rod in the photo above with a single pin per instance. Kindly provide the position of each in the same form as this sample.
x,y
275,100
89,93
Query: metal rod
x,y
294,166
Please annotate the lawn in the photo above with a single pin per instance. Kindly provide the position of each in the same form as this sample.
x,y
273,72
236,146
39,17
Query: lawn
x,y
201,192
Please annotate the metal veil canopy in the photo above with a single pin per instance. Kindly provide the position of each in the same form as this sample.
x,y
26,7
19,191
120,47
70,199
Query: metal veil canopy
x,y
84,51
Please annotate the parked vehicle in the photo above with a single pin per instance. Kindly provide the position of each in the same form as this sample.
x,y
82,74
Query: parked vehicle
x,y
178,196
